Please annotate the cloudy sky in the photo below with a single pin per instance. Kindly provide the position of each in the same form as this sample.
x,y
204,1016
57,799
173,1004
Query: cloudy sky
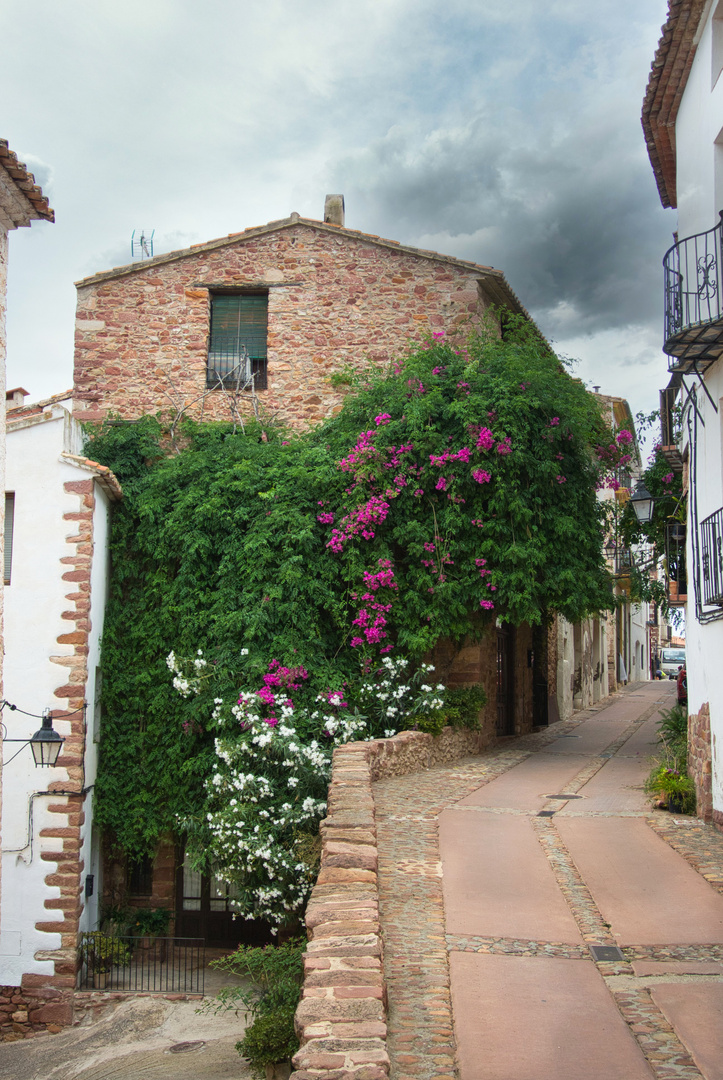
x,y
506,133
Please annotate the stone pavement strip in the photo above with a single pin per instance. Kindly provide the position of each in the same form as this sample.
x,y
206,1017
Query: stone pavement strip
x,y
487,979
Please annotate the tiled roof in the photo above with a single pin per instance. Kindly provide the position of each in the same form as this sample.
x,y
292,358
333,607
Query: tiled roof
x,y
107,479
495,282
668,76
25,183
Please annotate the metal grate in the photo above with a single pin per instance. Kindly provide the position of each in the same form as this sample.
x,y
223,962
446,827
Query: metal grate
x,y
606,952
157,965
711,546
692,273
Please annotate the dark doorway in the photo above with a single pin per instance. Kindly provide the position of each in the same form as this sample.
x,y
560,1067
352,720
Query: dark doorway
x,y
540,716
204,910
505,679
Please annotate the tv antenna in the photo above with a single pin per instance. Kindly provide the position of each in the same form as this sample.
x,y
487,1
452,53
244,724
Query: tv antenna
x,y
142,246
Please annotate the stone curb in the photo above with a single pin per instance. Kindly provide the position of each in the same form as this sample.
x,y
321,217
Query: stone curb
x,y
341,1018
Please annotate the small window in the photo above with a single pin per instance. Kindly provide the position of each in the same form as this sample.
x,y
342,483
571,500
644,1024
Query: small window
x,y
9,526
237,344
140,876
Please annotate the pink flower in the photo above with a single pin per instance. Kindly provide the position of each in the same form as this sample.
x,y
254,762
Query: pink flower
x,y
325,519
481,476
438,335
623,437
504,447
383,418
441,484
668,478
428,546
561,479
555,421
486,439
418,492
486,604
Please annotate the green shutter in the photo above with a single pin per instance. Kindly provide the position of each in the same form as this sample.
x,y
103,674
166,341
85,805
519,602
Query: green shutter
x,y
239,321
9,523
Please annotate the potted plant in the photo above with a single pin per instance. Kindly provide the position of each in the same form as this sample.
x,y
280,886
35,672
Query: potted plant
x,y
102,953
148,924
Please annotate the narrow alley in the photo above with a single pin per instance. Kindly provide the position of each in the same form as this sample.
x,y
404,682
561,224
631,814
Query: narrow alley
x,y
541,922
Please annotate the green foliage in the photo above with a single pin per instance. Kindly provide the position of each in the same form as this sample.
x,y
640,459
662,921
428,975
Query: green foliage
x,y
277,973
102,952
669,778
149,922
221,548
666,487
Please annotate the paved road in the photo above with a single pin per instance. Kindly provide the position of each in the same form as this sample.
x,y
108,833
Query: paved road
x,y
141,1038
500,874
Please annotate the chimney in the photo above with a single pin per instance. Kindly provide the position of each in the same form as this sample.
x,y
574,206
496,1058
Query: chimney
x,y
334,210
15,398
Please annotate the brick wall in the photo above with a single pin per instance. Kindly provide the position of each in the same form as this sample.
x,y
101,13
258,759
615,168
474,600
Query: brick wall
x,y
700,761
335,298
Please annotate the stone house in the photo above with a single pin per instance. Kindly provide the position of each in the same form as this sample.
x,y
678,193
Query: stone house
x,y
261,321
262,318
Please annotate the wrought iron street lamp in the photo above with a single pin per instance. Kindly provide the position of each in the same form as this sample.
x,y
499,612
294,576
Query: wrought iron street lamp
x,y
643,503
45,744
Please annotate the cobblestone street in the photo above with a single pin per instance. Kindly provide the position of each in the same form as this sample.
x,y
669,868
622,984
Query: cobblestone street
x,y
540,921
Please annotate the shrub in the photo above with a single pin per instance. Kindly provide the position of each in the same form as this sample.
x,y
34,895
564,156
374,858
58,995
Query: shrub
x,y
277,972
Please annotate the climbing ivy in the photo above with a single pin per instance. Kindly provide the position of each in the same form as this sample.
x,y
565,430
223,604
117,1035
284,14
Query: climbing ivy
x,y
456,487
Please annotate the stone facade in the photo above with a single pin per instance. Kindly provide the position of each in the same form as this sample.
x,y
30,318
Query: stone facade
x,y
700,761
336,299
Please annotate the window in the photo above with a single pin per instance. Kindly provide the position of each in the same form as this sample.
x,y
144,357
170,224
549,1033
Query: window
x,y
237,347
140,876
9,524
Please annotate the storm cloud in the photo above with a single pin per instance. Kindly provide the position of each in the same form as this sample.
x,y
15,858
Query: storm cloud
x,y
505,134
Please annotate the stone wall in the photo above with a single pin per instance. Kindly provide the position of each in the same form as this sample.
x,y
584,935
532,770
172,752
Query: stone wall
x,y
700,761
341,1018
335,298
25,1012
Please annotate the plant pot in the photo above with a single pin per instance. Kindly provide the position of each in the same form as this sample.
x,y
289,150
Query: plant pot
x,y
675,804
147,941
278,1070
100,980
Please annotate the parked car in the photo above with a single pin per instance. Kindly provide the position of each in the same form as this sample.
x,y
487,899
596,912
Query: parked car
x,y
671,660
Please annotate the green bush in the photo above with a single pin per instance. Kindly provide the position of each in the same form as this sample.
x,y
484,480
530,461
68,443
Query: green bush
x,y
146,922
269,1039
669,778
277,973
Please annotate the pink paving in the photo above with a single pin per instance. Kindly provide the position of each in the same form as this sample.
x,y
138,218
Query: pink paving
x,y
497,881
535,1018
525,1006
643,888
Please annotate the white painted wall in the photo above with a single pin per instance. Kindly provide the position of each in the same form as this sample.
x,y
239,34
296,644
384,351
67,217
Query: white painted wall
x,y
699,152
35,600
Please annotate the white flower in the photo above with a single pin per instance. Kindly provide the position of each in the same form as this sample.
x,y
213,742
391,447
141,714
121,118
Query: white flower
x,y
244,652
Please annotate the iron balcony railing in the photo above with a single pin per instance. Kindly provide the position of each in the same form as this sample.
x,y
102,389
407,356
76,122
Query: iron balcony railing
x,y
711,553
693,300
158,965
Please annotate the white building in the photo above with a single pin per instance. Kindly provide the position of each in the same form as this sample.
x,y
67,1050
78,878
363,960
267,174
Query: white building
x,y
56,564
683,123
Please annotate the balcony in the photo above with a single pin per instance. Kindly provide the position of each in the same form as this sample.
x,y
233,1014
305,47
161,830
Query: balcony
x,y
711,552
693,336
676,575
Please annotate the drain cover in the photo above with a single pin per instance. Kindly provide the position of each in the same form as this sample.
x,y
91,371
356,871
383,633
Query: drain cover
x,y
187,1047
606,952
546,813
564,796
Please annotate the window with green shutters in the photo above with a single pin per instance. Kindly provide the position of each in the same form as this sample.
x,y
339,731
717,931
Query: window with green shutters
x,y
237,346
9,528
